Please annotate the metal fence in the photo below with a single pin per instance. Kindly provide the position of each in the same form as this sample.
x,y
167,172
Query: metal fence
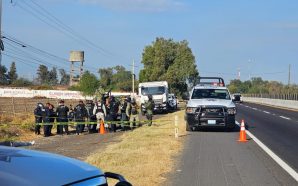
x,y
274,96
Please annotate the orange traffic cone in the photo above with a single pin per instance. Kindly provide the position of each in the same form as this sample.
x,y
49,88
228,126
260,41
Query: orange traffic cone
x,y
102,127
242,136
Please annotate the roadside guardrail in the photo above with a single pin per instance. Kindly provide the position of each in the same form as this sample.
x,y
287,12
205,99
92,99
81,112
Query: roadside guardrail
x,y
292,104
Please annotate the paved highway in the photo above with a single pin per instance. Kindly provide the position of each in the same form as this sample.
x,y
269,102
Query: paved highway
x,y
216,158
276,128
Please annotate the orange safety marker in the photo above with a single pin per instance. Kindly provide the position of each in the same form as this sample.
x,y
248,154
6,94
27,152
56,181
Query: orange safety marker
x,y
102,127
242,136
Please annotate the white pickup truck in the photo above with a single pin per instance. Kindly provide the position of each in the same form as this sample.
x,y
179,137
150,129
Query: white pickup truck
x,y
159,91
210,105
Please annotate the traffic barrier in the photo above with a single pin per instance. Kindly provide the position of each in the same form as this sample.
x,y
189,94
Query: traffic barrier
x,y
242,135
102,127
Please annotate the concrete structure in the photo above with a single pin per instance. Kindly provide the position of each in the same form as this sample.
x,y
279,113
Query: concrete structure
x,y
76,67
274,102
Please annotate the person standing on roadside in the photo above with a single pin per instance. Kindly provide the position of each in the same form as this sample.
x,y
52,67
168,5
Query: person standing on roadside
x,y
124,115
49,119
62,119
39,113
113,111
133,112
91,117
149,105
100,112
80,113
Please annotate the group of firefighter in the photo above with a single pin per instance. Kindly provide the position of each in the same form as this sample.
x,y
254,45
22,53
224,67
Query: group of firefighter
x,y
116,114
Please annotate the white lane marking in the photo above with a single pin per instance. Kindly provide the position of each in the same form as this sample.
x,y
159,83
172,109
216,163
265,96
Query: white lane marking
x,y
266,112
254,108
285,117
277,159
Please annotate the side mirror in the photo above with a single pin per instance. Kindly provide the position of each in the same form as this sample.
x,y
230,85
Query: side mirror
x,y
122,181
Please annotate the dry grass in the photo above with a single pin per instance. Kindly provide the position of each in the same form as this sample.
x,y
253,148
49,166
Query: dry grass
x,y
145,155
17,127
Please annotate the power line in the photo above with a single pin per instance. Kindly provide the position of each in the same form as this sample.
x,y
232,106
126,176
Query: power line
x,y
55,23
41,53
69,28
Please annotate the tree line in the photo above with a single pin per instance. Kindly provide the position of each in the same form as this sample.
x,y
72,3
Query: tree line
x,y
259,86
112,78
163,60
44,77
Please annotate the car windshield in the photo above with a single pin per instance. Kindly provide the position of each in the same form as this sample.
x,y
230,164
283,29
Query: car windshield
x,y
210,93
153,90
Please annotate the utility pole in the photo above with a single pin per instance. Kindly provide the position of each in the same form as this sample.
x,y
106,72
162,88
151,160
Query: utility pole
x,y
133,77
1,43
289,77
239,73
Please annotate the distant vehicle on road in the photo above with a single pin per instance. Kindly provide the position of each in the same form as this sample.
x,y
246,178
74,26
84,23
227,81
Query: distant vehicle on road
x,y
159,91
173,102
210,105
29,168
237,97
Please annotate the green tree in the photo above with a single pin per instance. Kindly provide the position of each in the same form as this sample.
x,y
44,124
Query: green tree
x,y
53,77
167,60
42,75
65,78
88,84
22,82
3,75
116,78
121,79
12,74
106,75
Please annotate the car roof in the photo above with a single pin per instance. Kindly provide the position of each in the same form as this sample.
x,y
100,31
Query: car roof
x,y
28,167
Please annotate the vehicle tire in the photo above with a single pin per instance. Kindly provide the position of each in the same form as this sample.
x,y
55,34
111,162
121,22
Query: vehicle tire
x,y
188,128
231,127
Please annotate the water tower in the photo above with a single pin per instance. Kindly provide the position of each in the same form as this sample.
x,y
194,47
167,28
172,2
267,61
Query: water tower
x,y
76,66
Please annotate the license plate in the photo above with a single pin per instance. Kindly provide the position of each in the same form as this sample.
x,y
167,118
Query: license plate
x,y
211,122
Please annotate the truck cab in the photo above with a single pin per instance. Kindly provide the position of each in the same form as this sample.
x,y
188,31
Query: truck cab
x,y
159,91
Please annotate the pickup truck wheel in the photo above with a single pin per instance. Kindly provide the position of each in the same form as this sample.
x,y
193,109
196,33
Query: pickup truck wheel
x,y
231,128
188,128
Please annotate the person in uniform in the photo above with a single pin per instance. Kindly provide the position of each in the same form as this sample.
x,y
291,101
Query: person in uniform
x,y
39,113
124,115
62,113
80,113
100,112
149,105
133,112
91,117
49,119
113,111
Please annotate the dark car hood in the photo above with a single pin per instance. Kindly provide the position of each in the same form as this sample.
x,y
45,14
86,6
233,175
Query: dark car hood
x,y
27,167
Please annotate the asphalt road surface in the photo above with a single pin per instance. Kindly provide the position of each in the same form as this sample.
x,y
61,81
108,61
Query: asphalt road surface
x,y
276,128
217,158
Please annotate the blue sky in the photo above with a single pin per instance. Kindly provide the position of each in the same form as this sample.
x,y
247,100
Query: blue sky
x,y
258,37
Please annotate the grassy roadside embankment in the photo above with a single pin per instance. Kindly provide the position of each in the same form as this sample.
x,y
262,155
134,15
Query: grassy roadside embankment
x,y
145,155
17,128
